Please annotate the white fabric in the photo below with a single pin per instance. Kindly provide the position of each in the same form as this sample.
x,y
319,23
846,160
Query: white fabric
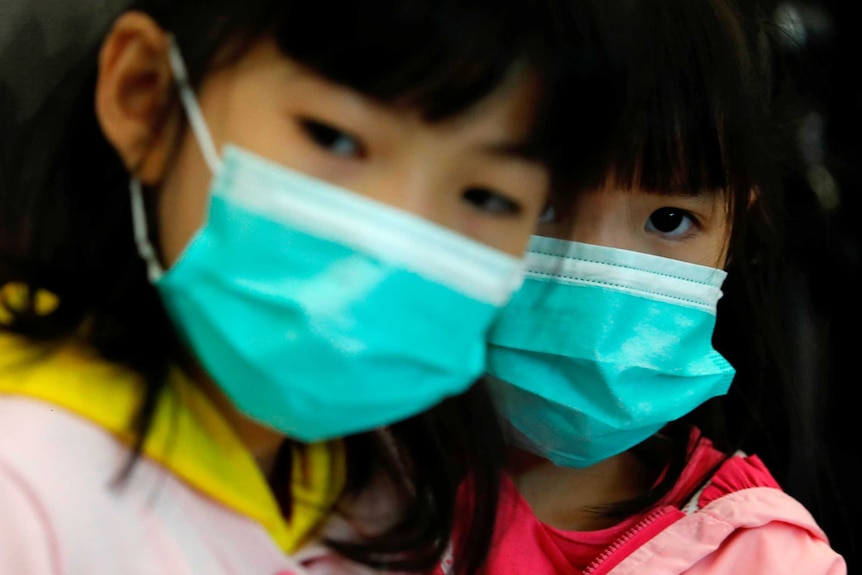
x,y
64,516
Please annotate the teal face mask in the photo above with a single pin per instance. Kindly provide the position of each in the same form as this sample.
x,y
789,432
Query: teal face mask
x,y
602,347
319,312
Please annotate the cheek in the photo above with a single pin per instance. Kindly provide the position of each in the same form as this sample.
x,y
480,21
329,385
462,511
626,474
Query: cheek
x,y
721,252
183,201
509,235
716,244
512,234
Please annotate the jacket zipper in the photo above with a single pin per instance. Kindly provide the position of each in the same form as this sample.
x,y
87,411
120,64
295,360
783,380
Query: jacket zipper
x,y
643,531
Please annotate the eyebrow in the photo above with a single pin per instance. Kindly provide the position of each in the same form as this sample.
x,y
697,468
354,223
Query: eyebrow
x,y
523,150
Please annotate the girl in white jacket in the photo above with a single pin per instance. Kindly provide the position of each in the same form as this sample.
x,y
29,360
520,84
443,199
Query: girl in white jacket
x,y
239,238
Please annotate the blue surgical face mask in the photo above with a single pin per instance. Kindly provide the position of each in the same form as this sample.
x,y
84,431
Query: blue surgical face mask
x,y
602,347
319,312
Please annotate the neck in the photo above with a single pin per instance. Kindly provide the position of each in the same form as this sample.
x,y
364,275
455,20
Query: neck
x,y
566,497
262,442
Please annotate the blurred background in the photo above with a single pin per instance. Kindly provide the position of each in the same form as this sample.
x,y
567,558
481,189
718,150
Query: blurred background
x,y
40,38
822,48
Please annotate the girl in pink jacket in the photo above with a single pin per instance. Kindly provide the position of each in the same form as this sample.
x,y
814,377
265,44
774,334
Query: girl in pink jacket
x,y
607,372
239,238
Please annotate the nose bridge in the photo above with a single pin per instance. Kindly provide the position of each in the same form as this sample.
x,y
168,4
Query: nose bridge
x,y
411,183
600,218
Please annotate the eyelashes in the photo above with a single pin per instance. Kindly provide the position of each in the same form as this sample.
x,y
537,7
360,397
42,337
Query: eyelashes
x,y
491,201
333,140
343,144
672,222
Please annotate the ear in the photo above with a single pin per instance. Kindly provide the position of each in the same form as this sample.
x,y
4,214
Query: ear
x,y
134,103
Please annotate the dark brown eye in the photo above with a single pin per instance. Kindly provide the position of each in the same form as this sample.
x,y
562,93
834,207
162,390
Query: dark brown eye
x,y
333,140
670,221
490,201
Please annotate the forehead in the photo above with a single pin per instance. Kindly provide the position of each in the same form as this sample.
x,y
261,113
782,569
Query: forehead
x,y
264,75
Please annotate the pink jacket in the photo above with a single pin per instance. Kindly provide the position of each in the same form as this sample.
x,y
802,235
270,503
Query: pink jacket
x,y
62,513
740,523
195,503
756,531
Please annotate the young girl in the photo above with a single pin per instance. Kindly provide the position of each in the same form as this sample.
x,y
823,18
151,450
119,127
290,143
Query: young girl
x,y
260,227
603,363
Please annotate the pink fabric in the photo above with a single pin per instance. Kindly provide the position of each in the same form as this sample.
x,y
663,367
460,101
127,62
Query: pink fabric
x,y
742,524
738,474
582,548
63,515
756,531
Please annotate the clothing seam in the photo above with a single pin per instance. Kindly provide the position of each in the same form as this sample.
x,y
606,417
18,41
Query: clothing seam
x,y
38,510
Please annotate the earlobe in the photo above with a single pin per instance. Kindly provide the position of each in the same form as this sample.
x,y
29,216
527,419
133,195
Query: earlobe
x,y
134,103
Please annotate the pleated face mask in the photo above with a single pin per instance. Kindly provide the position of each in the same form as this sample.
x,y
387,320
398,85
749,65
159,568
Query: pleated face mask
x,y
601,347
319,312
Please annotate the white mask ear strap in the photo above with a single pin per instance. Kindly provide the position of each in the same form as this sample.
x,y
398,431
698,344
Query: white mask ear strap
x,y
142,236
193,110
208,149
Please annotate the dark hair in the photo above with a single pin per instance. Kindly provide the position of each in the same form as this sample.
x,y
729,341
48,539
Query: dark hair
x,y
708,109
65,221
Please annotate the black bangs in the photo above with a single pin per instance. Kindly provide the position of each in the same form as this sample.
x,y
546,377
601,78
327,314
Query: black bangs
x,y
694,113
439,56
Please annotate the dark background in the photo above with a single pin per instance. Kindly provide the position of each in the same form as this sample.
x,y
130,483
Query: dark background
x,y
827,66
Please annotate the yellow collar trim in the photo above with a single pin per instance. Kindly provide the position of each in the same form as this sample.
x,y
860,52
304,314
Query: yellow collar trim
x,y
188,435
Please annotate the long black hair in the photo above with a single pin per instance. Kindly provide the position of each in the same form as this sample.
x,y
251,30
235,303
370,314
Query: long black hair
x,y
65,223
709,107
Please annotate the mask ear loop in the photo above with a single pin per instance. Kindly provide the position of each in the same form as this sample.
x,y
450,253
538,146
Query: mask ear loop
x,y
207,145
142,239
193,110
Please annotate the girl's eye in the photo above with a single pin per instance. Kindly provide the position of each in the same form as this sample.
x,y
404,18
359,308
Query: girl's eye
x,y
333,140
673,222
492,202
